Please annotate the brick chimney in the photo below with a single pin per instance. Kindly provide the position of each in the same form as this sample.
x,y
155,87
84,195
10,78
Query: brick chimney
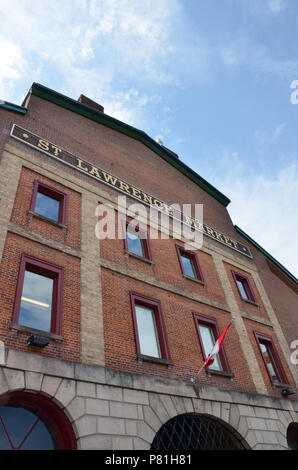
x,y
92,104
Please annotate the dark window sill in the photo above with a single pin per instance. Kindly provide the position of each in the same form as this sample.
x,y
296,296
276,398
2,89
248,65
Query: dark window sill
x,y
194,279
141,258
27,329
280,385
155,360
221,373
251,302
45,219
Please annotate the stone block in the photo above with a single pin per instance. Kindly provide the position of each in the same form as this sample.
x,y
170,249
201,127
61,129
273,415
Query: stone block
x,y
245,410
123,410
168,405
50,385
158,407
66,392
131,427
107,392
122,443
145,432
76,408
257,423
96,442
114,426
86,389
151,419
15,379
135,396
86,425
33,380
97,407
140,444
89,373
3,382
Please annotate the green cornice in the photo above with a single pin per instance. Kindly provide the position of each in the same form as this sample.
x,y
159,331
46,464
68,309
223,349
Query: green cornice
x,y
265,253
102,118
13,107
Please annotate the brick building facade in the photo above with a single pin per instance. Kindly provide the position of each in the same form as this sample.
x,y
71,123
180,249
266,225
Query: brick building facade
x,y
94,372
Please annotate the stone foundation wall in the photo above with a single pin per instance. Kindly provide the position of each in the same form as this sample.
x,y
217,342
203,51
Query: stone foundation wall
x,y
120,411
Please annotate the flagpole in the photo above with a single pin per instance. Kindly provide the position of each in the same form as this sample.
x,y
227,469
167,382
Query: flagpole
x,y
193,379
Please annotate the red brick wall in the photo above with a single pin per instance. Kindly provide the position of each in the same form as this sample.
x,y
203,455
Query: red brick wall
x,y
266,330
120,349
9,270
257,310
166,266
70,235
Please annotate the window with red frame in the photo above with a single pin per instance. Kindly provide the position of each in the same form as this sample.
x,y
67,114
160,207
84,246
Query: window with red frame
x,y
244,287
136,241
208,334
39,295
49,202
270,358
149,327
189,264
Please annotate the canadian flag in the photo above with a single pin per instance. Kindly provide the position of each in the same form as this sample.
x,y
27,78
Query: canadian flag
x,y
215,350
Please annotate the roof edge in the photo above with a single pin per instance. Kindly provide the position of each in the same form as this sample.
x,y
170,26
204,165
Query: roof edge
x,y
75,106
265,253
13,107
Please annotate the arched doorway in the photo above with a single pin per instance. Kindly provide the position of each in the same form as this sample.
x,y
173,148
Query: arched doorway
x,y
197,432
31,421
292,436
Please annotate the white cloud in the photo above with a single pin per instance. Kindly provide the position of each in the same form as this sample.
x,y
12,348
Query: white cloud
x,y
276,6
12,68
265,208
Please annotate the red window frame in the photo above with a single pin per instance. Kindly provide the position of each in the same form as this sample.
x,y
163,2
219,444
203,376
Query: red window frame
x,y
144,239
246,285
194,257
29,263
276,362
211,323
138,299
54,193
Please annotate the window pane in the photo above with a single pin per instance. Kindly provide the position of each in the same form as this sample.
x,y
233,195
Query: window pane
x,y
47,206
188,267
147,331
36,301
17,422
208,343
241,287
269,364
135,244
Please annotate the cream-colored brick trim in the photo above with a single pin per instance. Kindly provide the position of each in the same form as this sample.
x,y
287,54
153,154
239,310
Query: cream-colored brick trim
x,y
238,323
10,170
92,336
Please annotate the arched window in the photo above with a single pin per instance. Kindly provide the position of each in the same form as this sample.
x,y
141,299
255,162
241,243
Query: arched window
x,y
31,421
197,432
292,436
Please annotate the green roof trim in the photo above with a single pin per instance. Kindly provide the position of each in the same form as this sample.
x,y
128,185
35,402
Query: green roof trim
x,y
75,106
13,107
265,253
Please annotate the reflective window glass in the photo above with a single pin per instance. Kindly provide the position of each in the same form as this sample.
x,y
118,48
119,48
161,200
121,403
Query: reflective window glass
x,y
148,339
208,343
135,244
47,206
188,266
22,429
36,301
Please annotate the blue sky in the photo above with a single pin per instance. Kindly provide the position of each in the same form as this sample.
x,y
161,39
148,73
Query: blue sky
x,y
211,79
